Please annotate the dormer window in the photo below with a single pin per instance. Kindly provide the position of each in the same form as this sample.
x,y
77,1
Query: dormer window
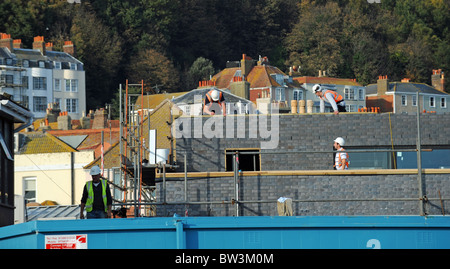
x,y
57,65
26,63
41,64
73,66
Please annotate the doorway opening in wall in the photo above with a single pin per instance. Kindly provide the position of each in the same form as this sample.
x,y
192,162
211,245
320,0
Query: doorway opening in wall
x,y
246,162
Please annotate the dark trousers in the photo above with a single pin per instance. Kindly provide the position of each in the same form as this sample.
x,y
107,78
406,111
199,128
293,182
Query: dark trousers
x,y
96,214
341,108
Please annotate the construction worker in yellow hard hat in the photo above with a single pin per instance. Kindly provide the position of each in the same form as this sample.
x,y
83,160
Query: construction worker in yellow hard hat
x,y
96,197
214,103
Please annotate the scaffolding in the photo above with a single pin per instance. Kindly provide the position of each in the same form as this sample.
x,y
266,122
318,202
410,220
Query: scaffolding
x,y
133,151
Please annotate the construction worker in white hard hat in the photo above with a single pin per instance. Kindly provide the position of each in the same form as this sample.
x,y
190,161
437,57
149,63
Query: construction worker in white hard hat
x,y
341,157
336,100
214,103
96,197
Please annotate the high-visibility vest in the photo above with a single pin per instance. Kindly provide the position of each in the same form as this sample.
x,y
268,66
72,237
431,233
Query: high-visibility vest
x,y
90,199
337,97
338,164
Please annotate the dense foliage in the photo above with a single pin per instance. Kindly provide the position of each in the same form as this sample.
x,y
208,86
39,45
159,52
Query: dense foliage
x,y
175,43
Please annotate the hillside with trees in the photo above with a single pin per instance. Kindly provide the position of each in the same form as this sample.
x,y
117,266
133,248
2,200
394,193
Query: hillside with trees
x,y
175,43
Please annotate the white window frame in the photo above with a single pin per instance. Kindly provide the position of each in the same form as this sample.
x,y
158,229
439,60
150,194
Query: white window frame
x,y
361,94
40,83
25,189
39,106
72,105
414,100
404,100
443,102
297,95
71,85
57,82
280,94
432,101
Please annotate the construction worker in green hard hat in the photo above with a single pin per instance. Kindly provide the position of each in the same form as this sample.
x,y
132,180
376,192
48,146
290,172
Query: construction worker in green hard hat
x,y
96,197
214,103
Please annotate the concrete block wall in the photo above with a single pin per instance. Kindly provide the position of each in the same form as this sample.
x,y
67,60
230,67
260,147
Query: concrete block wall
x,y
313,195
310,132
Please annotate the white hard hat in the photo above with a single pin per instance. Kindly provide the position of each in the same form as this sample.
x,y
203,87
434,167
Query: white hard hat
x,y
95,170
215,95
317,88
340,141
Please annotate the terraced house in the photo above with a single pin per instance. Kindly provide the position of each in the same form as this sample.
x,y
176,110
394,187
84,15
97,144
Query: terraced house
x,y
39,76
401,97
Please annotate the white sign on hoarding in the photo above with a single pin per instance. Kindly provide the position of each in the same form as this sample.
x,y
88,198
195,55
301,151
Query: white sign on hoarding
x,y
71,241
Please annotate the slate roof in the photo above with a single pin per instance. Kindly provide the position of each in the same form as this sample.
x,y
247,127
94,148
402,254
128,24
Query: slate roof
x,y
36,55
5,53
406,87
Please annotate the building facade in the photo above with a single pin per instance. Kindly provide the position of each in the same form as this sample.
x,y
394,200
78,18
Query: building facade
x,y
258,81
39,76
401,97
354,93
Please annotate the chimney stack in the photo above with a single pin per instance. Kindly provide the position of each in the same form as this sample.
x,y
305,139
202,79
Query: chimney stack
x,y
100,119
64,121
437,80
39,44
69,48
49,46
17,43
6,41
382,85
246,65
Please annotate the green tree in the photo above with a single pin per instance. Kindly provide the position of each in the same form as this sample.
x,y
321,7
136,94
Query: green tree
x,y
314,43
155,69
23,19
100,50
201,69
